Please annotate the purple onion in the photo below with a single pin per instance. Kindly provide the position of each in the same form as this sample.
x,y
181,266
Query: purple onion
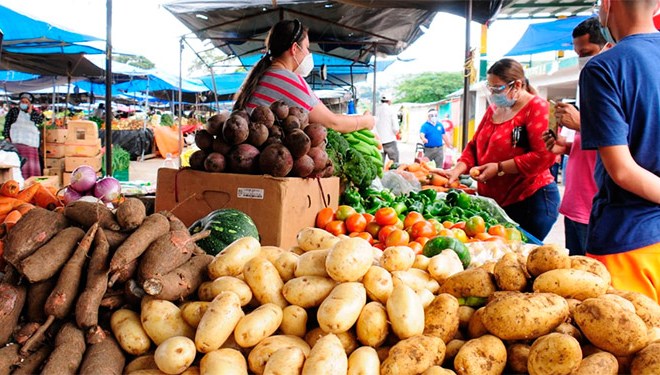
x,y
108,189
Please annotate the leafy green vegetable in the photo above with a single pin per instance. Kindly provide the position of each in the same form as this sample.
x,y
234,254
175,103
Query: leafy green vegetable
x,y
350,165
166,120
121,159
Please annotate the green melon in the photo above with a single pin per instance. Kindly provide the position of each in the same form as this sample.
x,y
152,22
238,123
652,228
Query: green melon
x,y
226,226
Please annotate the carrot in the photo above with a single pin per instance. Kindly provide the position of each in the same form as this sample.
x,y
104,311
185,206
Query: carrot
x,y
12,218
414,167
27,194
9,200
87,307
68,353
51,257
5,208
10,188
181,282
137,243
45,198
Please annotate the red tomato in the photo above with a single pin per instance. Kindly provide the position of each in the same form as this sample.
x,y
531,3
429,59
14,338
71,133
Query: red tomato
x,y
412,218
324,216
344,211
459,225
475,225
356,223
422,229
386,216
380,246
497,230
373,228
416,246
336,227
364,235
422,240
369,217
384,232
398,237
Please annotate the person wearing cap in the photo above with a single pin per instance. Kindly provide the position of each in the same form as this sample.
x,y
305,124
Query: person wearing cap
x,y
279,75
387,127
434,137
21,130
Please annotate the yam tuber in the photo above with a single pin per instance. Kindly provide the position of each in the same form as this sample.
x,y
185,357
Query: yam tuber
x,y
168,252
31,364
34,229
12,299
87,306
104,358
181,282
137,243
131,213
9,357
36,299
115,239
68,353
88,213
51,257
61,299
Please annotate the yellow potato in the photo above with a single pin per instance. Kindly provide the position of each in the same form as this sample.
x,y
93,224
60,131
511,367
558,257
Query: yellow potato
x,y
405,312
349,259
602,363
646,308
485,355
413,355
595,317
143,362
348,340
326,357
571,330
258,325
437,370
285,361
444,265
476,327
364,361
192,312
312,263
547,257
315,239
260,354
397,258
127,329
175,355
223,362
425,297
416,279
230,261
294,321
372,326
441,317
162,319
473,282
626,304
581,262
451,350
421,262
570,283
308,291
264,281
340,310
209,289
271,253
647,361
510,273
378,283
522,316
464,315
286,265
218,322
554,354
517,355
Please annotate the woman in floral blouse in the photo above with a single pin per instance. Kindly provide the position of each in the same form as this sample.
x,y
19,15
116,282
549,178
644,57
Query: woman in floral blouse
x,y
21,130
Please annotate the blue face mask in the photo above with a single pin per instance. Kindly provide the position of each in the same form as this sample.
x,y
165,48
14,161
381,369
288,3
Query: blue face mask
x,y
500,100
23,106
605,30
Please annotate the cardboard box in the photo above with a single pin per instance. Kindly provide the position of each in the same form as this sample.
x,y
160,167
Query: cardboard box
x,y
53,181
73,162
279,206
54,164
82,132
66,178
55,173
86,150
6,172
55,150
56,135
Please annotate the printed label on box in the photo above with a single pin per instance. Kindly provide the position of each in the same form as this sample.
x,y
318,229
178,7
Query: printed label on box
x,y
250,193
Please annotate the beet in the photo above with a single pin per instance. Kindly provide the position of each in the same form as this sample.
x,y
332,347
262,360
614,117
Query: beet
x,y
329,170
317,134
298,143
303,166
301,114
219,145
215,162
276,131
258,134
290,124
197,160
235,130
280,109
243,113
270,141
244,158
276,160
204,140
215,122
320,158
264,115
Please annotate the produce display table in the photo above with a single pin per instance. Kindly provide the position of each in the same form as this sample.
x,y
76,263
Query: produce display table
x,y
136,142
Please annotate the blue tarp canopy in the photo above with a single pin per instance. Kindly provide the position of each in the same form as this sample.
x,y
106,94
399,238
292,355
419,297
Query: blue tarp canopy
x,y
547,36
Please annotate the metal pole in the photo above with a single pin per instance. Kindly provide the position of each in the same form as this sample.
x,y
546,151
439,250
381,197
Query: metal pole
x,y
466,74
108,89
178,163
373,94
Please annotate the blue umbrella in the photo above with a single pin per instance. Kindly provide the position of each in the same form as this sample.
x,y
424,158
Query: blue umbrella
x,y
547,36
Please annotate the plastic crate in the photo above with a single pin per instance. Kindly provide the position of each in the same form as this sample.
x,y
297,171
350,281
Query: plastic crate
x,y
121,175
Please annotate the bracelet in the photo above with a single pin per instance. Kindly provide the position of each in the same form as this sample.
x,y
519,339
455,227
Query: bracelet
x,y
500,169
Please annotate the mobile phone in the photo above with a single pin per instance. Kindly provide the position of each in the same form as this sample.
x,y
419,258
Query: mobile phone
x,y
552,123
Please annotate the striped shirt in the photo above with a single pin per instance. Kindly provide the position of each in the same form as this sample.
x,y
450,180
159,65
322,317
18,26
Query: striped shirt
x,y
282,84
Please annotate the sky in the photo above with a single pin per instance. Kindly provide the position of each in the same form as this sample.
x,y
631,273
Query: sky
x,y
144,27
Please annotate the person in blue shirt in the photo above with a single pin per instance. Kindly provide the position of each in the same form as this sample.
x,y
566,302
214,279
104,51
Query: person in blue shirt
x,y
434,137
620,117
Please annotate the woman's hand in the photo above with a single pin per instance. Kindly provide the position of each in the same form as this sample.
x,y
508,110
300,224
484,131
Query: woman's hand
x,y
486,172
450,174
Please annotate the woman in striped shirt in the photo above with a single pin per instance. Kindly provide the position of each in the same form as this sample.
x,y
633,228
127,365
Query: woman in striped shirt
x,y
279,75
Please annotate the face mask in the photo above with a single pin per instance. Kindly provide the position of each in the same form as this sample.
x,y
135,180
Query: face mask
x,y
433,119
306,66
501,100
582,61
23,106
605,30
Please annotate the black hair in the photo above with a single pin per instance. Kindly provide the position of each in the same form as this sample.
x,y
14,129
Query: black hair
x,y
280,38
590,26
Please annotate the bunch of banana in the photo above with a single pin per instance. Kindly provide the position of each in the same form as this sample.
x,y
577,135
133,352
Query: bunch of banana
x,y
366,143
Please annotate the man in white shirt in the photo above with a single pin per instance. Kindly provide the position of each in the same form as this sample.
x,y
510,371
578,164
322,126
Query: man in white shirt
x,y
387,126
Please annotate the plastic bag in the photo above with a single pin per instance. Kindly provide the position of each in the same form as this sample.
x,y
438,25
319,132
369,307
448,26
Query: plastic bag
x,y
400,182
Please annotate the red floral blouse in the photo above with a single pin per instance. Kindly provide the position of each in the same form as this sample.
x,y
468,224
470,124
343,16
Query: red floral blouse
x,y
493,143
